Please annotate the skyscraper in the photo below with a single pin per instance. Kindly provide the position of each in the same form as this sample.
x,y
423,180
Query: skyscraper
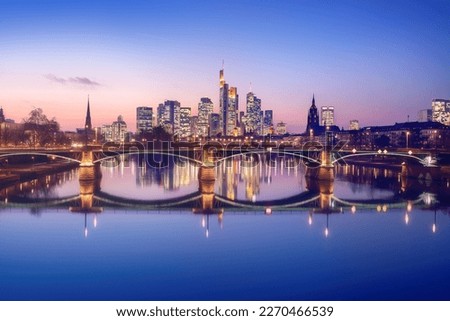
x,y
228,106
327,115
233,106
313,117
205,109
441,111
144,119
185,122
169,116
268,122
214,124
253,119
223,102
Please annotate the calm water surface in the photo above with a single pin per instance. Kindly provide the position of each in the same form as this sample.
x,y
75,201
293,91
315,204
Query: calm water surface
x,y
369,236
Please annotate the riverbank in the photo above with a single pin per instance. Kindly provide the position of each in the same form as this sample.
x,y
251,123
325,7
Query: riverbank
x,y
13,174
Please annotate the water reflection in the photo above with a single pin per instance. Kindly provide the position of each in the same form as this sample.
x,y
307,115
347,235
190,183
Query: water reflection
x,y
267,184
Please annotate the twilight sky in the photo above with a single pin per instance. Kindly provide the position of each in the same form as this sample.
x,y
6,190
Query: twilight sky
x,y
376,61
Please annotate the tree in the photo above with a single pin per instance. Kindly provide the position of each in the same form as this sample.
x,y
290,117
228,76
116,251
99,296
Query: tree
x,y
160,134
39,130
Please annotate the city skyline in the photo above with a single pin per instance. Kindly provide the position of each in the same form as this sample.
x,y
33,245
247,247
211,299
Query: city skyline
x,y
358,57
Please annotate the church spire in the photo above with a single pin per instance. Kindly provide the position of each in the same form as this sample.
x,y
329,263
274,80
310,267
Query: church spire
x,y
88,123
313,102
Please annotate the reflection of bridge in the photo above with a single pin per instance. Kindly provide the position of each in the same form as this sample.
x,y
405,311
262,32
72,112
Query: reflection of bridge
x,y
318,196
318,199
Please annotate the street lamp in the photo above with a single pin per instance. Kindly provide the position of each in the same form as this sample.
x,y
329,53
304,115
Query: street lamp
x,y
407,135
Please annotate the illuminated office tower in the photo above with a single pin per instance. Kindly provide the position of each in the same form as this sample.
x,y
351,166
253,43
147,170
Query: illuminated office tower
x,y
223,103
232,114
144,120
194,126
327,115
441,111
253,119
214,124
205,109
185,122
228,106
268,122
169,116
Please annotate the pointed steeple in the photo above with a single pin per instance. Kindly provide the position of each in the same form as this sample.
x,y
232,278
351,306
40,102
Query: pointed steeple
x,y
313,102
88,123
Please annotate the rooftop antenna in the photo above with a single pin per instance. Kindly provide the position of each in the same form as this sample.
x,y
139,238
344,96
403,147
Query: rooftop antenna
x,y
250,86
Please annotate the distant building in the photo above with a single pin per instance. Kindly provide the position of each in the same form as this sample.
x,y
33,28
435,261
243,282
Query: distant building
x,y
169,116
425,115
144,120
194,126
205,109
400,135
281,128
313,128
268,122
441,111
354,124
327,115
185,122
107,133
214,125
119,130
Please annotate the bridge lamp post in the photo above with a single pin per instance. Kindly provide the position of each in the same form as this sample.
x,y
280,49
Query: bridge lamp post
x,y
407,140
353,150
410,152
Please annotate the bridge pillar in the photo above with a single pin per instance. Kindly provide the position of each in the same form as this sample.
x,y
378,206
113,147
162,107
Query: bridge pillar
x,y
89,179
325,171
206,181
87,158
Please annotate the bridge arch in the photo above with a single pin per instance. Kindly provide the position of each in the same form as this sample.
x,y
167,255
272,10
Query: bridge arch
x,y
420,160
31,153
263,152
164,153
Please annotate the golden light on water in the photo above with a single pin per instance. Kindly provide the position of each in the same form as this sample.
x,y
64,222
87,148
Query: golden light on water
x,y
406,218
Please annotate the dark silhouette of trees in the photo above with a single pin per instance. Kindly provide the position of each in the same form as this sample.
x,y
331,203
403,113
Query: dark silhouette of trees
x,y
39,130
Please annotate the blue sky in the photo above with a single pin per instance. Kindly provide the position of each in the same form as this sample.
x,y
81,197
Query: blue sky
x,y
376,61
